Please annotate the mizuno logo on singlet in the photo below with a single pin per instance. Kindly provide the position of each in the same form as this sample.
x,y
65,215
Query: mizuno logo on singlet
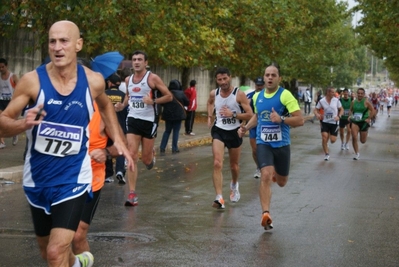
x,y
271,129
53,132
54,102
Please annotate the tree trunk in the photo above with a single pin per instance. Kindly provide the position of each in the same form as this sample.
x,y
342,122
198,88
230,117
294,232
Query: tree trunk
x,y
185,75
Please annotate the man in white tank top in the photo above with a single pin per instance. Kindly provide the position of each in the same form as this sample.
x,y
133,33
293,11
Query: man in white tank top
x,y
7,84
142,120
231,107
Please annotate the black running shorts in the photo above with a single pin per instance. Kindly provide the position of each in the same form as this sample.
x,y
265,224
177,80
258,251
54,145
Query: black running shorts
x,y
278,157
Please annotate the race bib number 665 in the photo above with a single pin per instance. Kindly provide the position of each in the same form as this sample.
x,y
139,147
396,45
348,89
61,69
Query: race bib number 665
x,y
58,140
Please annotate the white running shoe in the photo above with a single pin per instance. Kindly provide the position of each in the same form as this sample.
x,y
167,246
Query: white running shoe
x,y
121,178
234,193
86,259
342,146
257,174
14,140
2,145
346,146
356,156
326,157
109,179
218,203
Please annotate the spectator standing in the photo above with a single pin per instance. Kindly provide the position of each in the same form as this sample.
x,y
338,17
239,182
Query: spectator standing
x,y
308,100
126,72
300,95
191,94
116,96
8,82
173,113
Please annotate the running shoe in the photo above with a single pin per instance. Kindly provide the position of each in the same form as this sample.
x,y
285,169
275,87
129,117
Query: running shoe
x,y
192,134
342,146
326,157
109,179
346,146
151,165
132,199
266,221
2,145
121,178
356,156
234,193
86,259
257,174
14,140
218,203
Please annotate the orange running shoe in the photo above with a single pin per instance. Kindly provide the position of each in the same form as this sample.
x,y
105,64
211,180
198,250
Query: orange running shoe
x,y
218,203
266,221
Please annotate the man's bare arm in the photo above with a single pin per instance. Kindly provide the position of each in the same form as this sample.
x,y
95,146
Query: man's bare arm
x,y
25,93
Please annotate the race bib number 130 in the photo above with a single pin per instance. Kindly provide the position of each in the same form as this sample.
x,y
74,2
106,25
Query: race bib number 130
x,y
58,140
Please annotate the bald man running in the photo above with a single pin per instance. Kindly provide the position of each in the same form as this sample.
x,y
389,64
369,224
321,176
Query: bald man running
x,y
57,177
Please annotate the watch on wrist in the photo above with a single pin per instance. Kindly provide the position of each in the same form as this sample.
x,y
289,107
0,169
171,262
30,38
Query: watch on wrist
x,y
154,102
282,118
234,114
109,157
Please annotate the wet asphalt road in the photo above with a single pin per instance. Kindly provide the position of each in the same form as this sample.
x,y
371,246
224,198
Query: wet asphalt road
x,y
336,213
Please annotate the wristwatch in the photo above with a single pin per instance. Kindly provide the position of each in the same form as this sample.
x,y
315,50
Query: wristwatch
x,y
234,114
282,118
109,157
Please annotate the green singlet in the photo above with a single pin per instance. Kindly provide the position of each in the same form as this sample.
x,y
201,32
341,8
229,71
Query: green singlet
x,y
360,111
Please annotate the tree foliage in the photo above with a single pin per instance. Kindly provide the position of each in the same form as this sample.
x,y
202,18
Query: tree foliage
x,y
306,37
379,30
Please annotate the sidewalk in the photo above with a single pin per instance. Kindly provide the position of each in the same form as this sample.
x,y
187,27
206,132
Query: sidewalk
x,y
11,157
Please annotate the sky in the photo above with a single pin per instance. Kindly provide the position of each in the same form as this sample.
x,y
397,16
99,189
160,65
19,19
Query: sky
x,y
356,17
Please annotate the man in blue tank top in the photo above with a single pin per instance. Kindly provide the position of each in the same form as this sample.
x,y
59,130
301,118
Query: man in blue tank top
x,y
230,107
259,85
276,110
57,99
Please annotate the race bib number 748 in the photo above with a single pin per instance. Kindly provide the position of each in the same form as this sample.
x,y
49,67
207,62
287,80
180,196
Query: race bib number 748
x,y
58,140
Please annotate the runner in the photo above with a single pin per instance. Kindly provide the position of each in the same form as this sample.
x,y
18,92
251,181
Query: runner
x,y
374,101
276,111
360,112
329,125
389,101
144,90
343,122
259,85
230,106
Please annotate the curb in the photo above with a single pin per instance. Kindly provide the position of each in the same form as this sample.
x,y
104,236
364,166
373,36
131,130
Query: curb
x,y
11,175
14,174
